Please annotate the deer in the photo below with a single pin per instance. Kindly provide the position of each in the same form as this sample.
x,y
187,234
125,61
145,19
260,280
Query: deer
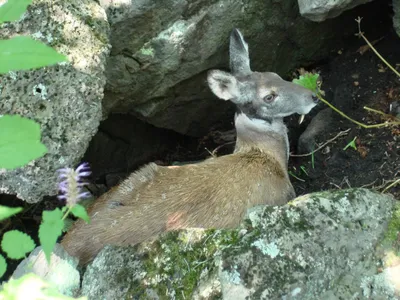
x,y
214,193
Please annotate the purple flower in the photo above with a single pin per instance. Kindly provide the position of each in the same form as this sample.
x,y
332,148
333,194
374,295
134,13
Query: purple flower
x,y
71,183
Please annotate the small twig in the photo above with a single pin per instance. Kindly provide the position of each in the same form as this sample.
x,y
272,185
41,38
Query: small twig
x,y
358,20
323,145
354,121
298,178
391,185
219,147
381,113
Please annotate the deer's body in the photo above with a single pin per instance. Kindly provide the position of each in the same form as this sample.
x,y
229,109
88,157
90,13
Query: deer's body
x,y
216,192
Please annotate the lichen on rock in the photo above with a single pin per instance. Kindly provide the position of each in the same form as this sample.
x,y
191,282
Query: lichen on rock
x,y
318,246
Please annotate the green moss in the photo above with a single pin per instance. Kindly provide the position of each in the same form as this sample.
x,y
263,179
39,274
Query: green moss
x,y
175,263
393,229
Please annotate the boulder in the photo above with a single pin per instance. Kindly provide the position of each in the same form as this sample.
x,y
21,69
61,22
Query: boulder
x,y
64,99
61,272
319,246
163,49
318,11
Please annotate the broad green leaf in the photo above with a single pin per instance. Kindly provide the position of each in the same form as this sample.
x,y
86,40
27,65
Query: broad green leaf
x,y
12,10
24,53
6,212
16,244
80,212
3,265
31,286
309,81
19,141
50,229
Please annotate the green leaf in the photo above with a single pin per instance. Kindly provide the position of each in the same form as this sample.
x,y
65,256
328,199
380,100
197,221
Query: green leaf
x,y
31,286
24,53
80,212
6,212
309,81
16,244
19,141
3,265
351,144
13,10
50,229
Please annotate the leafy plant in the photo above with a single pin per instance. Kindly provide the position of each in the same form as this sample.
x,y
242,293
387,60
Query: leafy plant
x,y
23,52
6,212
310,81
31,286
351,144
19,141
19,144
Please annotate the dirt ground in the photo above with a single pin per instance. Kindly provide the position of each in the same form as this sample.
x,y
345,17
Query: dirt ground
x,y
351,80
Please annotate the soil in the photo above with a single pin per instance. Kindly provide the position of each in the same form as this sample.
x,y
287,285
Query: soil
x,y
351,80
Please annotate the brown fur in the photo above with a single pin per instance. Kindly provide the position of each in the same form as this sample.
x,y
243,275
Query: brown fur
x,y
155,199
216,192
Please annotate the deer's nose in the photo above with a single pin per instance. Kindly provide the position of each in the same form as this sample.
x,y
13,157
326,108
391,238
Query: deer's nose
x,y
315,98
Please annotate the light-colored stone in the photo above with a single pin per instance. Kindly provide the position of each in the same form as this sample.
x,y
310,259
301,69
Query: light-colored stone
x,y
64,99
320,10
319,246
61,272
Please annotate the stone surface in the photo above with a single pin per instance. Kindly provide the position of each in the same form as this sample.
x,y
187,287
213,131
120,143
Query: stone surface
x,y
319,246
320,10
163,49
64,99
61,272
396,16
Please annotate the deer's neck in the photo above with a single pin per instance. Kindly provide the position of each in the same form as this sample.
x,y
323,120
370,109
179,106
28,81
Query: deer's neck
x,y
267,136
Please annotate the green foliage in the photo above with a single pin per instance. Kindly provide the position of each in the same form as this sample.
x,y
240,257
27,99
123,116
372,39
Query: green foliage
x,y
31,287
80,212
6,212
16,244
13,10
3,265
393,229
309,81
19,141
24,53
50,229
351,144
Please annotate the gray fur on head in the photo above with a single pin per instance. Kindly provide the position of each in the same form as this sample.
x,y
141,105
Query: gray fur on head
x,y
239,54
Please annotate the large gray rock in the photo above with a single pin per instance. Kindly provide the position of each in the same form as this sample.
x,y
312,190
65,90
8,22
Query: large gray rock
x,y
162,50
64,99
319,246
320,10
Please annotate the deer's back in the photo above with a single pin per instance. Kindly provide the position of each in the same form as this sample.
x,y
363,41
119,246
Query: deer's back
x,y
213,194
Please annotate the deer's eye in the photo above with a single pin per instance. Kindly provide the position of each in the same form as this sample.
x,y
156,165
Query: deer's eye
x,y
269,98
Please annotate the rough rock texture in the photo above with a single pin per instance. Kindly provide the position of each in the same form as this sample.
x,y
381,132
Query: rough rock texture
x,y
162,50
396,16
320,10
64,99
319,246
61,272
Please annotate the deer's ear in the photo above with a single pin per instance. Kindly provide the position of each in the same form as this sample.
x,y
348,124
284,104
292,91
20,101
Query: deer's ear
x,y
239,54
223,84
